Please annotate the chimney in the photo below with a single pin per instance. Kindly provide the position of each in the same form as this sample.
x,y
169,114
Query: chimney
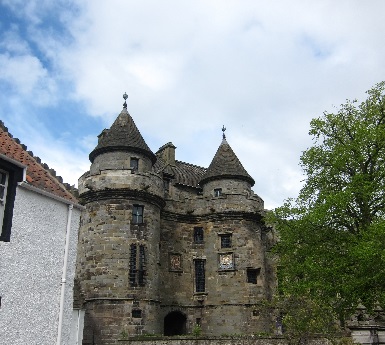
x,y
167,153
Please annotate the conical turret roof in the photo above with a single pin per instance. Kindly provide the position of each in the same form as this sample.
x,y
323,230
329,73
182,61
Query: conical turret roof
x,y
226,164
122,136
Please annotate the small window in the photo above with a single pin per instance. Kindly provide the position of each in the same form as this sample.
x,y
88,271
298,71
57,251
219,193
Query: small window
x,y
200,285
198,235
252,275
133,267
142,266
136,313
137,214
226,241
217,192
134,164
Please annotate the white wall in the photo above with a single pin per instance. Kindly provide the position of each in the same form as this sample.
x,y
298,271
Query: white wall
x,y
31,267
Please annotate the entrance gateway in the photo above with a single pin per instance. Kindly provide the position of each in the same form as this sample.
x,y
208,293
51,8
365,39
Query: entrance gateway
x,y
175,323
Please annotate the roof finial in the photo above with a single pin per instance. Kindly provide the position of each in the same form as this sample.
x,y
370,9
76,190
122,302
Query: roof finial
x,y
125,103
223,130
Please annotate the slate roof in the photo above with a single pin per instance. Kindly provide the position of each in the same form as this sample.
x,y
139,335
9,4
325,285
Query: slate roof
x,y
122,136
182,173
37,175
226,164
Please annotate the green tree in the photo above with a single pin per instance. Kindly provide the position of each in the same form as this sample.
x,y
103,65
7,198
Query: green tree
x,y
332,236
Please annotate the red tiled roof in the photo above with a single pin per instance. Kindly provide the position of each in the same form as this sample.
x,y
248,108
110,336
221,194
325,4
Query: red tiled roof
x,y
37,176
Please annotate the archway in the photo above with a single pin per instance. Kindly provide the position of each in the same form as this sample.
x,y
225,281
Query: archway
x,y
175,323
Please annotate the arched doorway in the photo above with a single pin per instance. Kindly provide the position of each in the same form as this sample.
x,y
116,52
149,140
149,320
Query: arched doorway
x,y
175,323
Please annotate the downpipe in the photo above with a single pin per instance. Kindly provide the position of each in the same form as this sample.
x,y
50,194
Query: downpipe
x,y
63,279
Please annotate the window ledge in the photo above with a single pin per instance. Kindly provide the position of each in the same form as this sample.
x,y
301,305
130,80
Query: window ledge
x,y
227,270
200,296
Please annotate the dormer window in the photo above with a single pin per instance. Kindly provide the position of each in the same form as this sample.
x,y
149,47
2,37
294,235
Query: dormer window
x,y
217,192
134,164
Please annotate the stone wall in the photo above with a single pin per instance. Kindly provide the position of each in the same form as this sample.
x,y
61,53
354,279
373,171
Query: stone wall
x,y
230,304
113,304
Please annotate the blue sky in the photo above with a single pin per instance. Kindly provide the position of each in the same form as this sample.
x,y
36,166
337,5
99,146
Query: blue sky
x,y
263,69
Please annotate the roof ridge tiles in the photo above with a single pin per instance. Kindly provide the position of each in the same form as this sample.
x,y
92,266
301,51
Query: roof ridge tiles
x,y
190,164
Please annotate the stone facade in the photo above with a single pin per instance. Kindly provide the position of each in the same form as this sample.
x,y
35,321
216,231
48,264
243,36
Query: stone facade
x,y
166,246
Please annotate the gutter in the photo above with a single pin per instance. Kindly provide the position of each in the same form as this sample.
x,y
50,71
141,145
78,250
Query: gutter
x,y
26,185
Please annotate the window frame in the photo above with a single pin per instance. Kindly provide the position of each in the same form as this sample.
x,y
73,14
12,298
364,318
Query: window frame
x,y
217,192
142,265
15,172
138,217
134,164
136,313
198,235
226,241
137,265
3,193
252,275
200,275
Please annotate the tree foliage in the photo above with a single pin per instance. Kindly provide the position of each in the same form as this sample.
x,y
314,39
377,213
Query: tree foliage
x,y
332,236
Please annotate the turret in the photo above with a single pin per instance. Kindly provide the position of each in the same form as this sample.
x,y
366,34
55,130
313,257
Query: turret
x,y
226,175
119,235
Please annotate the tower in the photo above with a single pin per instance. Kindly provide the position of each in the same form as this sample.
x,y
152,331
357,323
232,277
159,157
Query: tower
x,y
166,245
118,252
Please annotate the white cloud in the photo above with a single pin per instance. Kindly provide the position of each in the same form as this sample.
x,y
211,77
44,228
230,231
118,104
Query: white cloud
x,y
261,68
13,43
27,76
